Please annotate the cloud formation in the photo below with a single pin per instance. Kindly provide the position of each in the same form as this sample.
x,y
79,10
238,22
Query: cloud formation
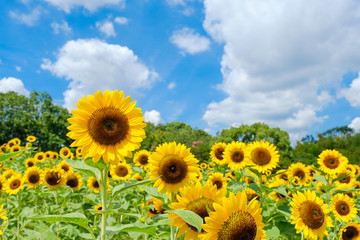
x,y
189,41
107,28
352,93
355,124
29,19
121,20
91,5
153,116
63,27
281,59
91,65
13,84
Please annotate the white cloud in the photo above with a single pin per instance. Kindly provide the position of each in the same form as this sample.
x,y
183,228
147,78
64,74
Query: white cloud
x,y
121,20
153,116
13,84
352,93
91,5
189,41
176,2
355,124
18,68
279,56
30,19
107,28
64,27
171,85
91,65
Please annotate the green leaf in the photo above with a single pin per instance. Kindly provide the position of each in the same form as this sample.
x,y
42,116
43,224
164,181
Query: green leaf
x,y
285,210
320,179
138,227
125,186
74,218
256,188
252,177
273,233
341,177
99,165
281,190
189,217
83,167
10,155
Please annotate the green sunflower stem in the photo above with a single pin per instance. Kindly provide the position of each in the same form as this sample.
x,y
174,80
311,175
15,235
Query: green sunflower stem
x,y
18,217
103,190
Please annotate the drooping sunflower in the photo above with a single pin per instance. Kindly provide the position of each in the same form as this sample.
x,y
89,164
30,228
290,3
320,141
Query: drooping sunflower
x,y
53,178
121,171
30,162
3,218
301,171
93,184
331,161
197,199
158,207
32,177
263,155
234,219
31,139
219,180
39,157
73,180
343,207
107,125
141,158
350,232
65,166
236,155
98,207
217,153
309,214
65,152
14,184
175,165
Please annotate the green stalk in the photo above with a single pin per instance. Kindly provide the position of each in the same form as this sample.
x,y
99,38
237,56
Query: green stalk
x,y
18,217
103,190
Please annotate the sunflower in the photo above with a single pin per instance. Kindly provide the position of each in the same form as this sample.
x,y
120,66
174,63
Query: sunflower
x,y
276,195
234,219
197,199
14,184
31,139
264,155
203,165
175,165
2,183
55,156
157,209
350,179
198,176
39,157
65,152
98,208
78,152
141,158
343,207
211,166
11,143
331,161
32,177
350,232
30,162
308,213
53,178
107,125
219,180
217,153
73,180
17,141
251,194
236,155
8,173
301,171
4,218
48,155
15,148
138,177
93,184
121,171
65,166
230,175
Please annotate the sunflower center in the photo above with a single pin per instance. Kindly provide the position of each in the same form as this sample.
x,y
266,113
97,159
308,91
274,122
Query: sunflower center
x,y
240,226
284,176
65,168
30,164
312,214
121,171
34,178
72,182
342,208
40,157
299,173
199,206
261,156
219,153
108,126
15,184
218,183
345,180
350,233
331,162
95,184
99,208
237,156
173,169
143,159
53,178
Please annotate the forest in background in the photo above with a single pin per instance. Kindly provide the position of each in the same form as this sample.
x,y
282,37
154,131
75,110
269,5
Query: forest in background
x,y
37,115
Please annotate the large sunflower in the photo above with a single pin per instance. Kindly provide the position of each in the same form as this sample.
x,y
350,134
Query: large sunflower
x,y
343,207
121,171
331,161
53,178
350,232
197,199
264,155
301,171
309,215
107,125
33,177
175,166
217,153
141,158
73,180
236,155
14,184
234,219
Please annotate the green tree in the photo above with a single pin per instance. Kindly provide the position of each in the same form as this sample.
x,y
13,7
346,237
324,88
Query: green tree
x,y
36,115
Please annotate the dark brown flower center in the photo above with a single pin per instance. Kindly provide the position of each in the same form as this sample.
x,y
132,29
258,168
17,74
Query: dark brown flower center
x,y
173,169
108,126
237,156
95,184
15,184
40,157
143,159
350,233
65,167
200,206
261,156
218,183
299,173
312,214
72,182
121,171
240,226
34,178
219,153
331,162
342,207
53,178
30,164
346,179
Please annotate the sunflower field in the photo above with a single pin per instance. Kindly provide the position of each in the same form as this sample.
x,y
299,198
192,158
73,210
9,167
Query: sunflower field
x,y
104,186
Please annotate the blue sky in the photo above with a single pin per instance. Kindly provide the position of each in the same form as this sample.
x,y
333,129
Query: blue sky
x,y
211,64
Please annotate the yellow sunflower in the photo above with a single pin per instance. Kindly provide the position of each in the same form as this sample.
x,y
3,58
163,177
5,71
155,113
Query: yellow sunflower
x,y
15,148
30,162
65,166
4,218
308,213
98,208
331,161
217,153
343,207
197,199
53,178
219,180
17,141
14,184
32,177
55,156
157,209
276,195
48,155
350,232
2,184
211,166
138,177
78,152
107,125
39,157
203,165
199,176
264,155
31,139
301,171
93,184
175,165
350,179
121,171
141,158
236,155
65,152
11,143
234,219
73,180
9,173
